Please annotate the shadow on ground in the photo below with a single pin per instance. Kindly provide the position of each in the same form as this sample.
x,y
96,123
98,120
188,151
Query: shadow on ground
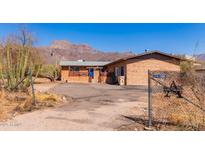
x,y
141,123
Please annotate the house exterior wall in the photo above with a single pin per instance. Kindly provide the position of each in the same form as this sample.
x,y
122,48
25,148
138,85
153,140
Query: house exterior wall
x,y
111,69
68,76
96,75
78,79
103,77
137,69
64,73
81,76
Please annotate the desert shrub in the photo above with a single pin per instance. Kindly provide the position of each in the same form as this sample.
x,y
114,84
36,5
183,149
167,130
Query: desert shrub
x,y
177,112
188,111
197,87
41,97
12,103
185,66
49,71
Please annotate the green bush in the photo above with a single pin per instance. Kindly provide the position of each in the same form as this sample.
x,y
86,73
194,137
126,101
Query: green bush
x,y
185,66
48,71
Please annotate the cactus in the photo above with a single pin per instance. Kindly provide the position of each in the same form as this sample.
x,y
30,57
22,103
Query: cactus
x,y
1,67
14,62
9,67
16,58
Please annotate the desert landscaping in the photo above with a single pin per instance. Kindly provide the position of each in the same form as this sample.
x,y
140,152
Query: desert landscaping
x,y
100,108
51,88
33,97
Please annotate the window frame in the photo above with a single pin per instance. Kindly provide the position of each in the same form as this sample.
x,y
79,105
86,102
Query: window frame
x,y
73,68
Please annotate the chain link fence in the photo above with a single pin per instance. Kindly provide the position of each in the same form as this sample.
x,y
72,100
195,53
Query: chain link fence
x,y
176,98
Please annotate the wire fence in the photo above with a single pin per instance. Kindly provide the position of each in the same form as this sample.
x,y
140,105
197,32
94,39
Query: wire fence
x,y
176,98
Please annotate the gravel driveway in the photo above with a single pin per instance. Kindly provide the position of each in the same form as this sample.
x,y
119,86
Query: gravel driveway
x,y
95,107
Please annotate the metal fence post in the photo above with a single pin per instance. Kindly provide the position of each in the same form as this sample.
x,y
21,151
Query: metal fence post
x,y
32,88
149,100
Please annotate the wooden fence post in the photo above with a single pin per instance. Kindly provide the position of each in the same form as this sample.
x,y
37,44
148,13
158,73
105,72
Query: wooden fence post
x,y
32,87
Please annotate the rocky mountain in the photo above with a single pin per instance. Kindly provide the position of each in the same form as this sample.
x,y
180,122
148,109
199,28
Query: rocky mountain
x,y
64,50
200,57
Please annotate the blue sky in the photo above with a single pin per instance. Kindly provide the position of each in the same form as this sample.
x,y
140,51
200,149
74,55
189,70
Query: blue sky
x,y
171,38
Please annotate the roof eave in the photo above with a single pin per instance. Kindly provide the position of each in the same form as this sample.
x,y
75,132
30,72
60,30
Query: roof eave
x,y
147,53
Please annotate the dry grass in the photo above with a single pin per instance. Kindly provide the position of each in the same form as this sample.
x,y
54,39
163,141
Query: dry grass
x,y
41,81
48,99
13,103
177,112
169,113
186,113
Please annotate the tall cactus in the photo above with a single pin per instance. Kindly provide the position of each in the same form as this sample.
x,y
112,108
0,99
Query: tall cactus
x,y
16,65
1,67
9,67
16,58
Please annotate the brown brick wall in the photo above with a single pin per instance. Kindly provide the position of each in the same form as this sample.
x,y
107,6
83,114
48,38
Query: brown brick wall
x,y
96,75
103,79
137,69
78,79
111,68
65,75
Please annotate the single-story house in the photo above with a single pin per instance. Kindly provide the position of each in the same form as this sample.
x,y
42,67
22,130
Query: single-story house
x,y
134,69
83,71
200,68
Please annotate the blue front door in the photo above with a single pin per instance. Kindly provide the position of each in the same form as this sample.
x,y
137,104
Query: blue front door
x,y
91,72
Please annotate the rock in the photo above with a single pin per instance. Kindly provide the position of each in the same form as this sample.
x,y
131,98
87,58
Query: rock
x,y
64,98
148,128
20,98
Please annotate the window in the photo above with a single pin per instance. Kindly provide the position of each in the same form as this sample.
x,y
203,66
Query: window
x,y
116,71
122,71
75,68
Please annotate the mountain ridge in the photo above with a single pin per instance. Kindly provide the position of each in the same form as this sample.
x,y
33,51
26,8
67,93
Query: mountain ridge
x,y
65,50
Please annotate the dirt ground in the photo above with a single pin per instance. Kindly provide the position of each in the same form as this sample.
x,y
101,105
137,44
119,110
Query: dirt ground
x,y
94,107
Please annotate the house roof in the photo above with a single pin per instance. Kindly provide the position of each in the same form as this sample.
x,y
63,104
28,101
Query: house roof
x,y
83,63
200,67
148,53
103,63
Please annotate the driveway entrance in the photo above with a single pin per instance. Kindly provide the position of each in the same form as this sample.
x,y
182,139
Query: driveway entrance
x,y
95,107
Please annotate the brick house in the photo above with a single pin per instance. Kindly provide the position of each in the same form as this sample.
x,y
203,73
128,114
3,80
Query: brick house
x,y
133,69
200,68
83,71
